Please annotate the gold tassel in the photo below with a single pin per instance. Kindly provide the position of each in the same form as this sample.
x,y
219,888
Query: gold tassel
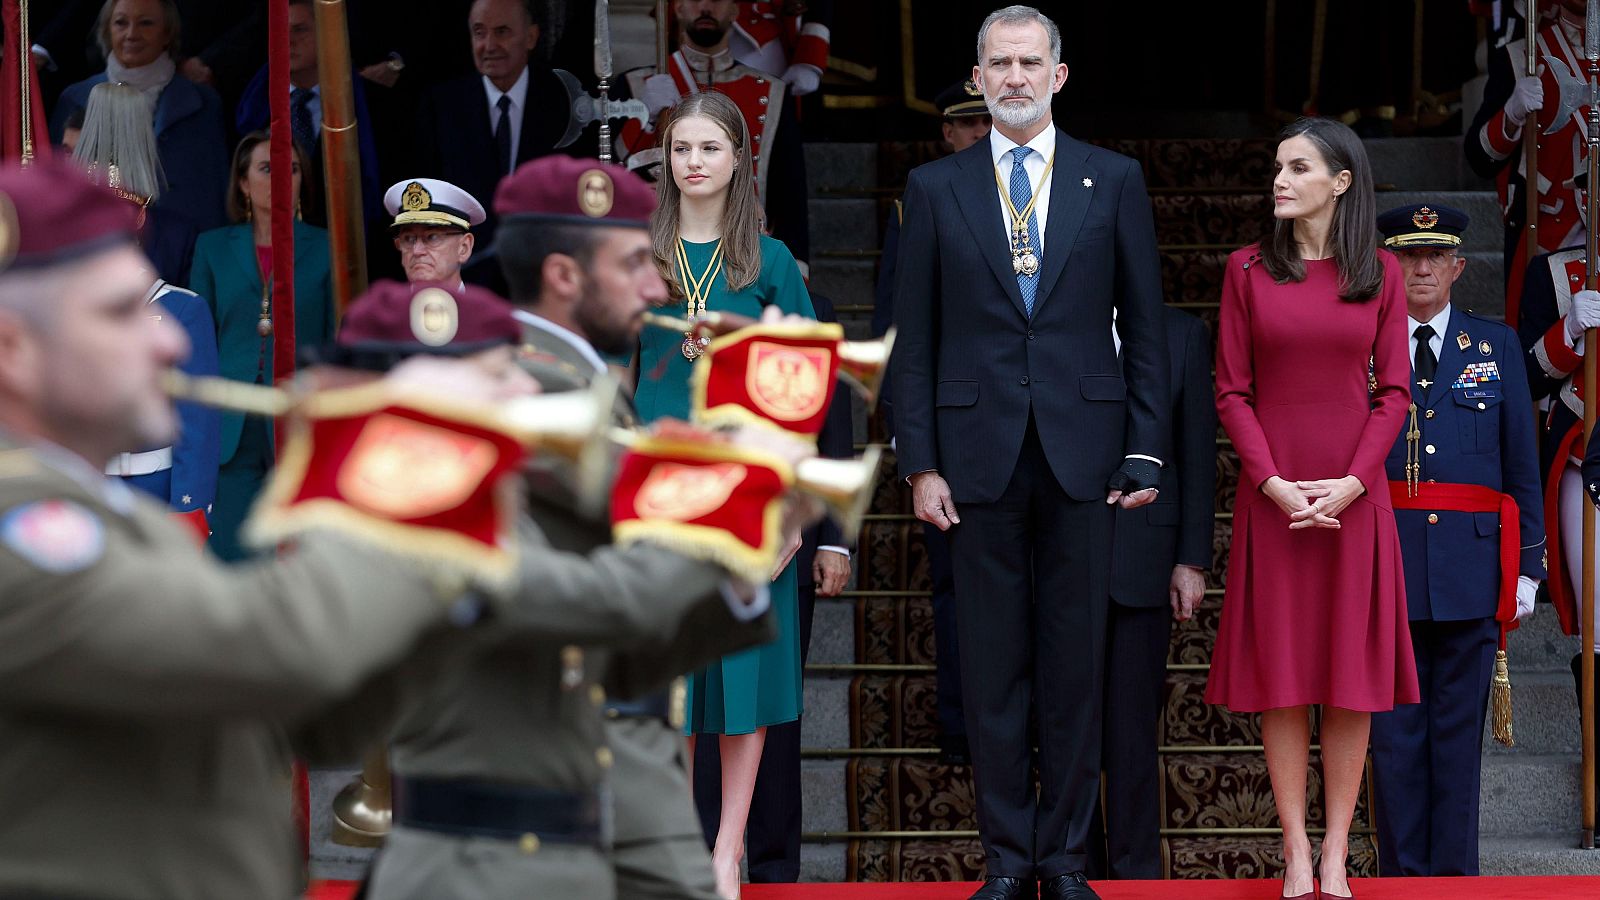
x,y
1500,700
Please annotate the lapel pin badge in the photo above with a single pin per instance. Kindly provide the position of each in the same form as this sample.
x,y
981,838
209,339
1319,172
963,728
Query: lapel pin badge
x,y
1088,182
1462,341
1485,348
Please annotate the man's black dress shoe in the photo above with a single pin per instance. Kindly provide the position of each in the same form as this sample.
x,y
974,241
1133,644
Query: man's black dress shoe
x,y
1008,889
1071,886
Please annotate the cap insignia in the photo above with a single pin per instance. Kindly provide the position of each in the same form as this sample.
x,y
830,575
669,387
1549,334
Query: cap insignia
x,y
435,317
971,88
1424,218
416,198
596,193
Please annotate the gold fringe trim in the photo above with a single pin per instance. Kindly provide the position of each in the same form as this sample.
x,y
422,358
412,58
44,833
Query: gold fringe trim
x,y
1500,701
700,374
709,544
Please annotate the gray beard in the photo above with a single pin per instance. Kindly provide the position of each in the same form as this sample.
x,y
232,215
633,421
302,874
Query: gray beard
x,y
1018,117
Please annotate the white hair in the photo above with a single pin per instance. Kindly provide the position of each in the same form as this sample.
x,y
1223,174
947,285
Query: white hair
x,y
1021,15
118,143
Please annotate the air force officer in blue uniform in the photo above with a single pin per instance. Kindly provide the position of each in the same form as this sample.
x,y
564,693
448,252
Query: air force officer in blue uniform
x,y
1468,443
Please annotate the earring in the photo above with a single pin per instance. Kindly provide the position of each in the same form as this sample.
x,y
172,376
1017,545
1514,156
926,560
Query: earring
x,y
249,209
297,216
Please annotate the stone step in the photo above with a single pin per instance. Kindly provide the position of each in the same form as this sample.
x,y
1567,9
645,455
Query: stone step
x,y
1551,855
822,863
840,166
822,795
1484,232
1539,646
844,281
833,631
1481,289
844,223
1423,164
1527,795
826,719
1544,716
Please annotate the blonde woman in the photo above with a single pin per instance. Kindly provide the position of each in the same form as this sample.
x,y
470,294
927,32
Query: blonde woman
x,y
710,248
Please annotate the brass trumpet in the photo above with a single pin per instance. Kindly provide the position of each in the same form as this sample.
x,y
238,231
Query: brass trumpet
x,y
570,424
861,363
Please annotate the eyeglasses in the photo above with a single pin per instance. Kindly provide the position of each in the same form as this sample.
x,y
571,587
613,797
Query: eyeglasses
x,y
433,240
1431,257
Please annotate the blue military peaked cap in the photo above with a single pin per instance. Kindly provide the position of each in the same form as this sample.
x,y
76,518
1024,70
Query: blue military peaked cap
x,y
1422,225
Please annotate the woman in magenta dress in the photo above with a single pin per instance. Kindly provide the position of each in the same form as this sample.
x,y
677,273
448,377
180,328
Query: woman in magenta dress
x,y
1312,388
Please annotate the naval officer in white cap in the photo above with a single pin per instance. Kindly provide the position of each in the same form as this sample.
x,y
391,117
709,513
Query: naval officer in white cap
x,y
432,222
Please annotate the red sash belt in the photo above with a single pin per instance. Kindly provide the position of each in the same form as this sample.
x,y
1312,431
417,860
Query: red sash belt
x,y
1475,498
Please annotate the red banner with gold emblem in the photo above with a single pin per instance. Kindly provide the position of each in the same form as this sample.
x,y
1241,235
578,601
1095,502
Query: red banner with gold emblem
x,y
426,481
774,374
711,501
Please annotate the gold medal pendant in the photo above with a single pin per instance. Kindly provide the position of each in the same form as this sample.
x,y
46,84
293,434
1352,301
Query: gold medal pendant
x,y
1027,263
692,348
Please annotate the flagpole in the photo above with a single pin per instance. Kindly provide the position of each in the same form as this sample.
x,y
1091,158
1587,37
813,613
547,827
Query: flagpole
x,y
341,154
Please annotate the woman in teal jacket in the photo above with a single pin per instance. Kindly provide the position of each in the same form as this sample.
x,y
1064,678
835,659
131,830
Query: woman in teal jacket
x,y
228,267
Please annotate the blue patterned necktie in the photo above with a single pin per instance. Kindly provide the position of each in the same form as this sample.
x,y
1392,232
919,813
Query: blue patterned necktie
x,y
300,120
1021,193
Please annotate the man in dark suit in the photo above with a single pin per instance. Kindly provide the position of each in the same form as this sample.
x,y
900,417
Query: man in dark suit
x,y
473,131
1158,562
823,564
1010,402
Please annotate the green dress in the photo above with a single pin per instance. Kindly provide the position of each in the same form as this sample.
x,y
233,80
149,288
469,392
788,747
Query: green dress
x,y
760,686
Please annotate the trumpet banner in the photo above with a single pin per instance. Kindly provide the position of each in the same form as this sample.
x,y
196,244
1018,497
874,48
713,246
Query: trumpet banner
x,y
420,480
715,502
778,374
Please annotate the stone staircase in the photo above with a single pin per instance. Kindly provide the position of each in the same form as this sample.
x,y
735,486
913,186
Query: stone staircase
x,y
878,804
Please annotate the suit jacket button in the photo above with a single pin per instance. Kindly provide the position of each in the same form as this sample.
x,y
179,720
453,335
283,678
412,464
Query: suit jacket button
x,y
1429,448
1429,415
1024,379
1433,518
1030,334
529,843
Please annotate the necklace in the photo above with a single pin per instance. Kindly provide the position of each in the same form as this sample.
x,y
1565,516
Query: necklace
x,y
1023,260
697,291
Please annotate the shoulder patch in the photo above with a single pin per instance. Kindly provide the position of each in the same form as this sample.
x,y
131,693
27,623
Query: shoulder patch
x,y
57,536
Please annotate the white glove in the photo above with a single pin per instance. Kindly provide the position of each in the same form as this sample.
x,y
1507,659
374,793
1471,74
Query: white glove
x,y
1584,314
802,78
659,92
1526,97
1527,589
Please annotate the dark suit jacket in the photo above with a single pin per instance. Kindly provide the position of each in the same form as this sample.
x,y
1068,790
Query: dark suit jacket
x,y
970,366
191,142
226,273
1177,527
456,143
836,440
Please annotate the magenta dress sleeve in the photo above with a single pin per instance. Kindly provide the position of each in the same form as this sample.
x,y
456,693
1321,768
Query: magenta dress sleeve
x,y
1392,371
1236,388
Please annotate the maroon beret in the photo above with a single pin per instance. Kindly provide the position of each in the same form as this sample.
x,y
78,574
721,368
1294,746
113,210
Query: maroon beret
x,y
50,213
559,188
394,319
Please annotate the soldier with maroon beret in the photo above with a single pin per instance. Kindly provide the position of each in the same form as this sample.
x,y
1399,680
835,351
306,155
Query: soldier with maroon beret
x,y
145,685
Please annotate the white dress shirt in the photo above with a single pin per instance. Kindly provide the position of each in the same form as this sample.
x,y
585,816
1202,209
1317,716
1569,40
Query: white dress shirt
x,y
519,103
1438,323
1044,147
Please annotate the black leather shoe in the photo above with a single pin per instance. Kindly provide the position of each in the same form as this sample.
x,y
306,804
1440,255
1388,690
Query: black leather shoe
x,y
1071,886
1008,889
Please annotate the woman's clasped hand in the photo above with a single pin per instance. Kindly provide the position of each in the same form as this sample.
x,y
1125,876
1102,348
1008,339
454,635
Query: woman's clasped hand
x,y
1313,504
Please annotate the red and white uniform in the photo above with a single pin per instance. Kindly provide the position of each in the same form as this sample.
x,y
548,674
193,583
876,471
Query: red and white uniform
x,y
767,38
758,95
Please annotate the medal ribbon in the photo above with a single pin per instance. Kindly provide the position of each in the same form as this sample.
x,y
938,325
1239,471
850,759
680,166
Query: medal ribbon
x,y
697,291
1019,221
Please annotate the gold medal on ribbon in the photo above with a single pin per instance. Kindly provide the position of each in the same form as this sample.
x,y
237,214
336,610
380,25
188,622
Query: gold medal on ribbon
x,y
698,290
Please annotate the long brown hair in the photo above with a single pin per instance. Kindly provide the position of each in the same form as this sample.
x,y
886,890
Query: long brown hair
x,y
1354,232
741,218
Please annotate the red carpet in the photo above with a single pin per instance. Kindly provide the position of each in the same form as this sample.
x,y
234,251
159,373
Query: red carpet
x,y
1555,887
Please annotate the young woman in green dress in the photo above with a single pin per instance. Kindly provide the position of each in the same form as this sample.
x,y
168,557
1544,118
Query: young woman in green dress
x,y
710,248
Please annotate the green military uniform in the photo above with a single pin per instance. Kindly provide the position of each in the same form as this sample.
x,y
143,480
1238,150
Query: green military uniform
x,y
659,851
146,690
523,718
